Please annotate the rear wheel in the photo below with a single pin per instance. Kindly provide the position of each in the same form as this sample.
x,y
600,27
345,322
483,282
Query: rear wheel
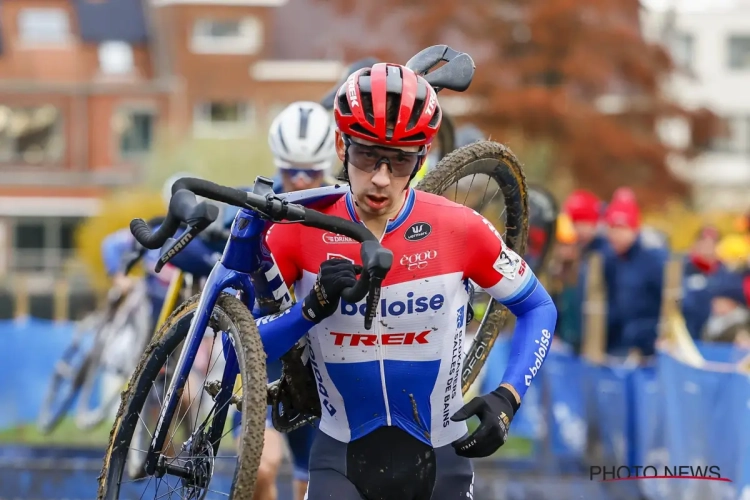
x,y
464,176
69,375
230,469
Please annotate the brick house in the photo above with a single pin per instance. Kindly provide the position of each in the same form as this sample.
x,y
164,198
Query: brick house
x,y
85,84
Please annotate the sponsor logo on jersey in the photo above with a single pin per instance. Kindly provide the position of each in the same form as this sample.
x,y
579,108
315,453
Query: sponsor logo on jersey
x,y
417,231
333,238
338,256
539,355
452,386
371,339
418,260
398,307
508,263
324,402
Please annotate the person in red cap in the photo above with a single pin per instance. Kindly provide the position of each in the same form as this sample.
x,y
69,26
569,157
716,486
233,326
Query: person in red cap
x,y
634,279
584,209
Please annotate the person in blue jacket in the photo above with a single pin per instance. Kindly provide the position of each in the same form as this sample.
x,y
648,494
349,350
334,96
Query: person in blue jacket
x,y
585,211
699,266
634,280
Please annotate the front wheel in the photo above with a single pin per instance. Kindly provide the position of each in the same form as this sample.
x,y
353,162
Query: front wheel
x,y
230,469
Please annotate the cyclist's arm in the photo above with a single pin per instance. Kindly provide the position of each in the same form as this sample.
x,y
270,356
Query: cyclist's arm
x,y
280,332
510,281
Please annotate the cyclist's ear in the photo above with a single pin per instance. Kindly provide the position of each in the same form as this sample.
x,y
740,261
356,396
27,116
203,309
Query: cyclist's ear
x,y
340,146
429,147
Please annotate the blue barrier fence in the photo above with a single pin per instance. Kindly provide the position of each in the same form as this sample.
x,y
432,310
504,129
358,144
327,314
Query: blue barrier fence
x,y
669,414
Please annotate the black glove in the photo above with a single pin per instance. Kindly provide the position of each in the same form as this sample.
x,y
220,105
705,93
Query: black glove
x,y
495,411
334,276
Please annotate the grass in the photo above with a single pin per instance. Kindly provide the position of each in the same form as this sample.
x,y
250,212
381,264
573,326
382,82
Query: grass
x,y
514,447
66,434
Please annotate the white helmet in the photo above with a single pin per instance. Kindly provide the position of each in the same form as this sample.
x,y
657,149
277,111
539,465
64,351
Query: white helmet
x,y
303,134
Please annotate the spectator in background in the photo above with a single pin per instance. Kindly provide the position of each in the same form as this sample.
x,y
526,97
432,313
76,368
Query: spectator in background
x,y
729,319
734,250
584,209
563,272
635,275
699,265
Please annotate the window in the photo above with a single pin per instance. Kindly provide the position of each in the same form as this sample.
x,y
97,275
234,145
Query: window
x,y
29,234
31,135
735,137
44,26
134,130
42,244
116,58
227,36
223,119
739,51
683,50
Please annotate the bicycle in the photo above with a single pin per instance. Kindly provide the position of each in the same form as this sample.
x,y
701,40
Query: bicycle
x,y
75,372
93,353
247,267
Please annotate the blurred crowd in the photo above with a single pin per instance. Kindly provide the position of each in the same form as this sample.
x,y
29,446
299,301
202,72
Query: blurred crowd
x,y
715,277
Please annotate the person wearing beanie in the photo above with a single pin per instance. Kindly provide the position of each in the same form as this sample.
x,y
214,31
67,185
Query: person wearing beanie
x,y
584,210
634,275
698,266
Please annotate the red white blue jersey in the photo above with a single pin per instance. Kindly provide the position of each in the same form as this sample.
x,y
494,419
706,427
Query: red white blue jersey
x,y
406,371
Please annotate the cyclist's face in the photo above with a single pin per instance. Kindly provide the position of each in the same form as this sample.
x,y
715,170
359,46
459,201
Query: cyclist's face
x,y
297,178
378,175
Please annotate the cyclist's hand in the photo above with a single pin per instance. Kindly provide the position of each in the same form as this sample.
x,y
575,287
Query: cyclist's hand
x,y
495,413
334,276
123,283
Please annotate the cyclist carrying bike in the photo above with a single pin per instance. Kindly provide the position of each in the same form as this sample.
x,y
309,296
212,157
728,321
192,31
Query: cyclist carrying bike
x,y
393,419
301,139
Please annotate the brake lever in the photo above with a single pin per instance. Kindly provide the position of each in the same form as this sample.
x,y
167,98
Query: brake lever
x,y
174,246
373,299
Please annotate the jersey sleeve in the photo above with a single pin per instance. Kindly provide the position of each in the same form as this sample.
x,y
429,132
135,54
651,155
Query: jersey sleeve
x,y
509,280
492,265
283,242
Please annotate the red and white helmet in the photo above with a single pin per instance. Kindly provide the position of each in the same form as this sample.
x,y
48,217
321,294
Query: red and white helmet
x,y
361,102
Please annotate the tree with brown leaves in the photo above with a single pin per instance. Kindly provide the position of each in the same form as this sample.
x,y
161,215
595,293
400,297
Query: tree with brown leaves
x,y
575,74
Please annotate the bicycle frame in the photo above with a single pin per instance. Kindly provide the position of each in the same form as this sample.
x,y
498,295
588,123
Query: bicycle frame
x,y
171,301
248,267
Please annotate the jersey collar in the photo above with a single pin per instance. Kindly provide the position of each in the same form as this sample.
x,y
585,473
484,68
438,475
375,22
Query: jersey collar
x,y
394,223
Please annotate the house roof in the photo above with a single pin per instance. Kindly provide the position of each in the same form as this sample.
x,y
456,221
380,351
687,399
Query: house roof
x,y
116,20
